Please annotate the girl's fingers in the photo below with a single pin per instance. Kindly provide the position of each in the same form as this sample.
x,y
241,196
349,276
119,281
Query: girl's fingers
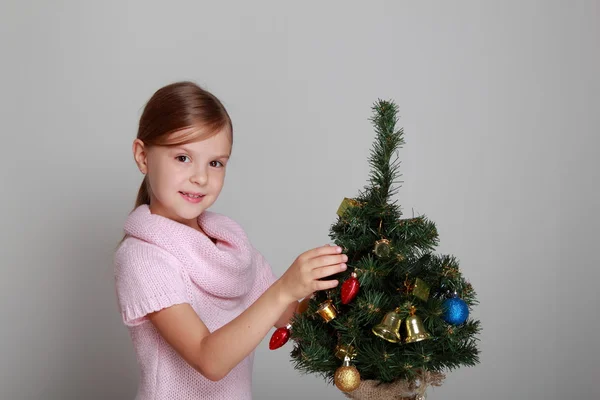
x,y
324,285
326,260
324,250
319,273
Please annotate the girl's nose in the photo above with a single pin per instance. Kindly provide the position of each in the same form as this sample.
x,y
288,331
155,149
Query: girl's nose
x,y
200,177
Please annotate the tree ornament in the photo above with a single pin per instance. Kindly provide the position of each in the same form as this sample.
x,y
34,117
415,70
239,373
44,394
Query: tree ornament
x,y
413,328
346,204
456,311
350,288
280,337
419,288
389,328
347,377
343,350
383,248
327,310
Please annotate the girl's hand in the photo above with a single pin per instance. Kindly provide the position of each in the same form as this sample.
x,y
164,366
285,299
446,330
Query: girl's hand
x,y
302,277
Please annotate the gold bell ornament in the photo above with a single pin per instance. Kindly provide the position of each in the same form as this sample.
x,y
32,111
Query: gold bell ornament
x,y
413,328
347,377
389,328
327,310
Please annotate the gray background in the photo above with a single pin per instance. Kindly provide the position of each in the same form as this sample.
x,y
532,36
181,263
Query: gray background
x,y
500,105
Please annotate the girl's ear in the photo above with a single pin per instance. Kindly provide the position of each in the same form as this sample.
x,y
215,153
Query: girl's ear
x,y
140,155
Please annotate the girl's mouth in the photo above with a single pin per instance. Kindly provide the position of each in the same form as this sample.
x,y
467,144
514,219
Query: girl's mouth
x,y
192,197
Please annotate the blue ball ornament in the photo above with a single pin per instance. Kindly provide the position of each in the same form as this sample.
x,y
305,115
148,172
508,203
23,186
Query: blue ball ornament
x,y
456,311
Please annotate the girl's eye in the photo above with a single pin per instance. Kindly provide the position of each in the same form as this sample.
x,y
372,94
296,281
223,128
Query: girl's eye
x,y
216,164
183,158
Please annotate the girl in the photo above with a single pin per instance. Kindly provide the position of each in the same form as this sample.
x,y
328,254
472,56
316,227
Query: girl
x,y
196,296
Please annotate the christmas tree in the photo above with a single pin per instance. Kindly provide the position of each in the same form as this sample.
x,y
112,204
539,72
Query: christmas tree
x,y
399,320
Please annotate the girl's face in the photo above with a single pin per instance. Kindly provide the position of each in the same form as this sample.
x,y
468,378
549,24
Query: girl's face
x,y
185,179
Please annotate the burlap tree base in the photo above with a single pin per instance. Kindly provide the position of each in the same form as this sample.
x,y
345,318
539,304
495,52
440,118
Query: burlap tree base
x,y
398,390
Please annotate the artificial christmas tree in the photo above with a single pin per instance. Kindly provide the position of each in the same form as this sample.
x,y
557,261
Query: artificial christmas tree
x,y
399,320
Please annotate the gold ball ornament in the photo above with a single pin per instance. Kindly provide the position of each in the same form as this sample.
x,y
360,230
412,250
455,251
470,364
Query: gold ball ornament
x,y
347,377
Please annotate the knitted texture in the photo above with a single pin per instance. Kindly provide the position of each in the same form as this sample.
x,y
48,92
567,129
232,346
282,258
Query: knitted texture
x,y
162,263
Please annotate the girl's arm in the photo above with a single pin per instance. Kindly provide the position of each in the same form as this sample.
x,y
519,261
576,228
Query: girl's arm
x,y
215,354
287,315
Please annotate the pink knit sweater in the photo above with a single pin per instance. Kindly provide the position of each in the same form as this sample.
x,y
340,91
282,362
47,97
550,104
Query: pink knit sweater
x,y
162,263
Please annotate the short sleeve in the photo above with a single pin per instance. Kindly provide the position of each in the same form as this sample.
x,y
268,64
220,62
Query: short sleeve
x,y
264,276
147,279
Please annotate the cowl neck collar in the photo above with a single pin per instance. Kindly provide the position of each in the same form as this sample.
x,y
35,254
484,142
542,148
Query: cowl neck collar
x,y
222,268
